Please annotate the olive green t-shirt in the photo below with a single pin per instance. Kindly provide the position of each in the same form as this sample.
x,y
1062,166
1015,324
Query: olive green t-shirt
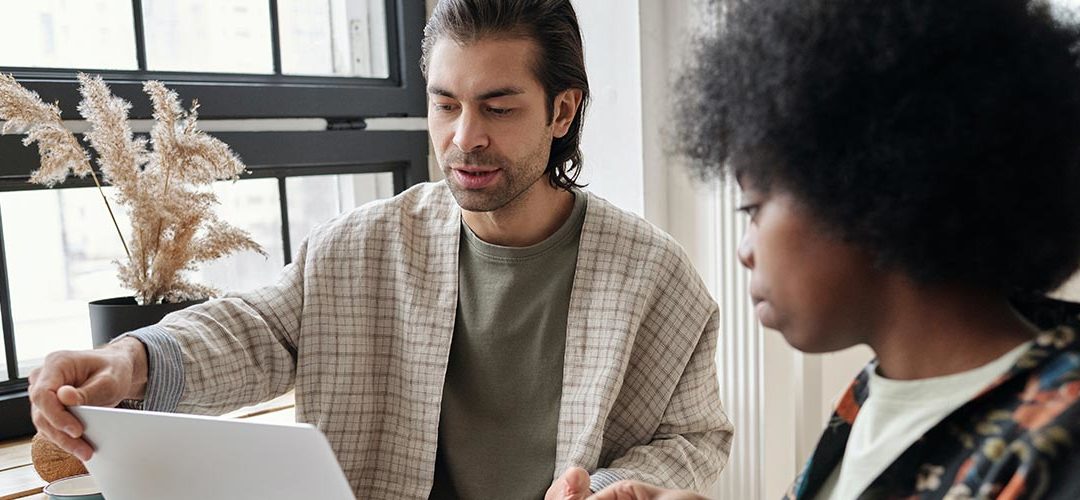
x,y
500,405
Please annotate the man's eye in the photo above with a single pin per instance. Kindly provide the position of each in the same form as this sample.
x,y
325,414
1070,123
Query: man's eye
x,y
444,107
500,111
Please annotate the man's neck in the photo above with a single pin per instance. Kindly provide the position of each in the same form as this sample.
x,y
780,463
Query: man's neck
x,y
528,220
937,331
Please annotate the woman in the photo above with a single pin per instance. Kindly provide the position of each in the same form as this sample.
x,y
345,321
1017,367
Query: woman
x,y
911,171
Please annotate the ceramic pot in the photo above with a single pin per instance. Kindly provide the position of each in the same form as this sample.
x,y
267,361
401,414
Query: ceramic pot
x,y
110,318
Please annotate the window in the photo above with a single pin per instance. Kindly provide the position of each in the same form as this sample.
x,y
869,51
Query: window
x,y
314,199
334,38
51,34
63,256
320,38
212,36
320,70
333,59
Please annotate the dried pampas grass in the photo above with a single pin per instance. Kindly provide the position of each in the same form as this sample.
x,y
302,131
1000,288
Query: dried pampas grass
x,y
162,182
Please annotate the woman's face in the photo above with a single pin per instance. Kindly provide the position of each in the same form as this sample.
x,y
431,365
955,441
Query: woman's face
x,y
821,293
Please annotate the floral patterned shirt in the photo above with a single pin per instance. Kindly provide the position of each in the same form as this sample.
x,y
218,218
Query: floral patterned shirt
x,y
1018,439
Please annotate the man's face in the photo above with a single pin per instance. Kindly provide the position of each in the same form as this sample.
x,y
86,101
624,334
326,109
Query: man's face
x,y
488,120
821,293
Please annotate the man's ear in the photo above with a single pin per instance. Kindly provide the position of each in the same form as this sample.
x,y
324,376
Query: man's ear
x,y
565,107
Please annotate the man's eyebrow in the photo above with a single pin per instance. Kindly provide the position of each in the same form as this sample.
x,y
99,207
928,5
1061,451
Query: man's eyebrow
x,y
491,94
442,92
500,92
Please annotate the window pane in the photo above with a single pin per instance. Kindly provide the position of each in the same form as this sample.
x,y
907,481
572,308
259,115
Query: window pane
x,y
89,34
315,199
334,38
60,247
254,206
217,36
61,257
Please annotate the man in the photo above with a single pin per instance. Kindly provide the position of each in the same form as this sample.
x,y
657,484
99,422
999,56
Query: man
x,y
469,338
909,171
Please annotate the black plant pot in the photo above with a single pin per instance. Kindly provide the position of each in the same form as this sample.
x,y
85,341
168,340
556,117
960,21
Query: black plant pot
x,y
110,318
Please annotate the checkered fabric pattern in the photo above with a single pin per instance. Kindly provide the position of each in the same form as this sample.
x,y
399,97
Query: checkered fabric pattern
x,y
360,324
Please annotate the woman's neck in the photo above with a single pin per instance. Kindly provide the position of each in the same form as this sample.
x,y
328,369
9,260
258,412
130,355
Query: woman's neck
x,y
935,331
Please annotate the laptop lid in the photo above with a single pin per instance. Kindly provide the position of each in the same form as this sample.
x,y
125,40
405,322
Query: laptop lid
x,y
168,456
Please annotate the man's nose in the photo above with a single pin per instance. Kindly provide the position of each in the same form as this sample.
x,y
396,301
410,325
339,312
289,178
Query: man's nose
x,y
470,133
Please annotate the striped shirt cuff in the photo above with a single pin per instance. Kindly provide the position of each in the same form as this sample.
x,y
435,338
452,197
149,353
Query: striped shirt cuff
x,y
603,478
165,368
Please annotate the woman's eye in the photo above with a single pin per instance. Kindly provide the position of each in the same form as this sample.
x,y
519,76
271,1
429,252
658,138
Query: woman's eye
x,y
750,209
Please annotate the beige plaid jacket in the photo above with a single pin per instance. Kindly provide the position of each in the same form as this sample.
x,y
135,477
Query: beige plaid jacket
x,y
360,324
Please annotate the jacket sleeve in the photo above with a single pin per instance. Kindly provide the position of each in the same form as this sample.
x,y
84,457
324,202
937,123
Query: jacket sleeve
x,y
691,444
227,353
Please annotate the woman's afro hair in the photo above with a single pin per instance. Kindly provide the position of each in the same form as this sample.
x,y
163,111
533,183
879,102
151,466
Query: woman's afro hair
x,y
942,135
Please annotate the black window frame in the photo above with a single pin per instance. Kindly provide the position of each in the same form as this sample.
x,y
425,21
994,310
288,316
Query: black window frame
x,y
235,96
344,148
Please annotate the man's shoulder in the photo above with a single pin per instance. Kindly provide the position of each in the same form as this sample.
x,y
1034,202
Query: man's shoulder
x,y
625,245
422,204
424,200
624,232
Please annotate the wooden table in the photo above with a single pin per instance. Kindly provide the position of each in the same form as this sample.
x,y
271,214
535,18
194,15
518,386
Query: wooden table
x,y
18,479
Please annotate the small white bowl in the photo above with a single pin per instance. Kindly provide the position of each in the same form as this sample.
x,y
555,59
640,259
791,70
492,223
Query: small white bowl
x,y
81,487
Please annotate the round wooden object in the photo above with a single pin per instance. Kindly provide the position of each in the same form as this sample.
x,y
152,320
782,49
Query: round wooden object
x,y
52,463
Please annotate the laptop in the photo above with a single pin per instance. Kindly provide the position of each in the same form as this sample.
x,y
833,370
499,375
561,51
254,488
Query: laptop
x,y
167,456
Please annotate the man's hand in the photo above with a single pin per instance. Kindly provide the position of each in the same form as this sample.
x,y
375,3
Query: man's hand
x,y
101,377
571,485
635,490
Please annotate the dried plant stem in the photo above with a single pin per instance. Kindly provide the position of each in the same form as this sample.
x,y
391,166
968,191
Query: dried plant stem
x,y
157,235
108,207
164,196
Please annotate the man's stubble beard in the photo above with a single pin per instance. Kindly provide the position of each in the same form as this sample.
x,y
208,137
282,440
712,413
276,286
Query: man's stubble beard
x,y
516,179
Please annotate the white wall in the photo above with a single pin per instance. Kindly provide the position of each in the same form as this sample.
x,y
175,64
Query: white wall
x,y
612,140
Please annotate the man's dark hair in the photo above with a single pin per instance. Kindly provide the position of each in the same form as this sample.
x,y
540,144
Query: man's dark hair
x,y
560,64
944,136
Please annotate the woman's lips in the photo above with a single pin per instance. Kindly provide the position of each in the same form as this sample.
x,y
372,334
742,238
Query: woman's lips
x,y
760,307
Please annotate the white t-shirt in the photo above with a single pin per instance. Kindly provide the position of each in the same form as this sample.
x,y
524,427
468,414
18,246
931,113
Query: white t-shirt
x,y
898,412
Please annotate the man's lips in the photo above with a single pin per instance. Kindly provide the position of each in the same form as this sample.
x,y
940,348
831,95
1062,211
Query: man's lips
x,y
475,169
475,179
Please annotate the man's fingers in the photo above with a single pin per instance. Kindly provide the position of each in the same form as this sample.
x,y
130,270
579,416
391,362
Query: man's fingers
x,y
69,379
70,396
635,490
52,411
77,447
104,388
46,380
628,490
573,484
577,481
